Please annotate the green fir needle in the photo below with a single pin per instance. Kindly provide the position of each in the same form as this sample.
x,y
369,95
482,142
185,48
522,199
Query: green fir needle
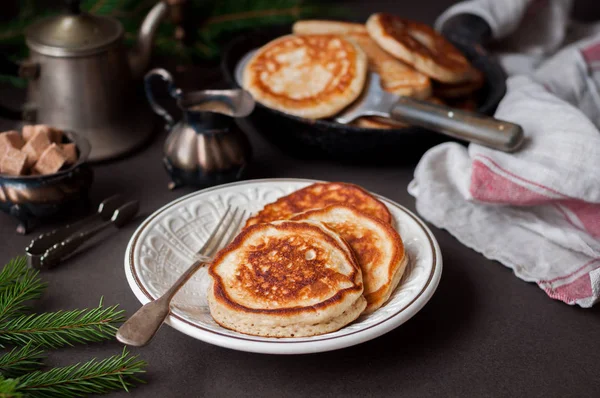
x,y
19,374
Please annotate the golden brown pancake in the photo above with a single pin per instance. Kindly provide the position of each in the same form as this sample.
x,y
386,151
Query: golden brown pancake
x,y
459,90
321,195
377,246
326,27
396,76
286,279
379,123
421,46
311,76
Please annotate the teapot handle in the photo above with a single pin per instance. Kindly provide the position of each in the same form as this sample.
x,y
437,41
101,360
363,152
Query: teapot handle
x,y
173,91
27,70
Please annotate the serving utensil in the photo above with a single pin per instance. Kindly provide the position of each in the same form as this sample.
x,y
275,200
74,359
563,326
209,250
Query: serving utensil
x,y
468,126
39,245
54,254
141,327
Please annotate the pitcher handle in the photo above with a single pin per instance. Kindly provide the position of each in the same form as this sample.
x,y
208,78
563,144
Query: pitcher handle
x,y
173,91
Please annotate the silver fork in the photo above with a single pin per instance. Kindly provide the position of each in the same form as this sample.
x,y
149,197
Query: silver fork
x,y
141,327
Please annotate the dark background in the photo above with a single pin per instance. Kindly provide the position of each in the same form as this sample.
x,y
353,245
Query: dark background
x,y
484,333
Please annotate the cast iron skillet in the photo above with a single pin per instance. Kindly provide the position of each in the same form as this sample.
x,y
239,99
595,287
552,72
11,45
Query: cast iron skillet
x,y
326,139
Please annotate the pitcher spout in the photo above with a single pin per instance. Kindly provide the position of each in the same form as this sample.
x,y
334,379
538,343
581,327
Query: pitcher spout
x,y
139,56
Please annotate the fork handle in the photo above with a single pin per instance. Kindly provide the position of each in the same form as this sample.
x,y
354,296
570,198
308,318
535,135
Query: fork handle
x,y
468,126
141,327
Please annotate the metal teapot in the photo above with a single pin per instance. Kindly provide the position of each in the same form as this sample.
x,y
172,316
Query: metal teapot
x,y
206,147
82,79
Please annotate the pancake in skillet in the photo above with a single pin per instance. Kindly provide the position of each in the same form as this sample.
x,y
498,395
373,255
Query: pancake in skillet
x,y
377,246
378,122
321,195
460,90
396,76
326,27
286,279
311,76
421,46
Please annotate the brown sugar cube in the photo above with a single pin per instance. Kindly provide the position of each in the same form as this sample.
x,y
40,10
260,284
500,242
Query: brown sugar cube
x,y
29,130
10,139
35,147
70,152
54,134
50,161
14,162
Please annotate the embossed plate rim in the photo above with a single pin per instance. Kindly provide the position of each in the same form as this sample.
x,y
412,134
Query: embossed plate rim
x,y
288,346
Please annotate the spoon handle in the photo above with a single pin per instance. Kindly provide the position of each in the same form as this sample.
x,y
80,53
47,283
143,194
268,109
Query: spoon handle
x,y
468,126
141,327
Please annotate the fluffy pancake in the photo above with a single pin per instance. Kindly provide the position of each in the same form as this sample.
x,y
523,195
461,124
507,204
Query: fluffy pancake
x,y
377,246
421,46
459,90
378,122
326,27
311,76
286,279
396,76
321,195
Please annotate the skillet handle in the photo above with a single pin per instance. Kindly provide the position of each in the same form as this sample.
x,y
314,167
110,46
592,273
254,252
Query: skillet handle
x,y
468,126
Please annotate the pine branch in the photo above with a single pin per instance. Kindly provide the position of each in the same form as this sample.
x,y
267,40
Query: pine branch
x,y
8,388
57,329
93,377
15,269
18,284
21,360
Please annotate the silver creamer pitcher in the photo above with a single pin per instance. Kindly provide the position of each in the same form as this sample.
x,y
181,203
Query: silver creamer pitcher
x,y
206,147
81,78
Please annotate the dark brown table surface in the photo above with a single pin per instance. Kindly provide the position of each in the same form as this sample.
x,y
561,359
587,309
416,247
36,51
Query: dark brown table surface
x,y
484,332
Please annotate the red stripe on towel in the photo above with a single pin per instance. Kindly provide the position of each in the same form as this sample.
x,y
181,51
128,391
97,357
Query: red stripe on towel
x,y
488,186
572,273
587,213
580,288
591,54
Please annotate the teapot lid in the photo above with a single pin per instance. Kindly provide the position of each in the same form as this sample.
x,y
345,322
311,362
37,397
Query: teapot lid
x,y
73,34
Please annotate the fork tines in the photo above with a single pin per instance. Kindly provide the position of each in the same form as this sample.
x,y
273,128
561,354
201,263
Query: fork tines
x,y
224,232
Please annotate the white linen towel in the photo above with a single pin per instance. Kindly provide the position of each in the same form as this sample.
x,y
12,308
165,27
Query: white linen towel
x,y
536,211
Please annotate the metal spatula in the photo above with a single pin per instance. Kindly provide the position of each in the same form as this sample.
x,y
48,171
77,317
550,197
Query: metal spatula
x,y
468,126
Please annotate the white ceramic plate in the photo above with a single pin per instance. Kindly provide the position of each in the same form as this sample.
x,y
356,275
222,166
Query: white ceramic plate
x,y
164,244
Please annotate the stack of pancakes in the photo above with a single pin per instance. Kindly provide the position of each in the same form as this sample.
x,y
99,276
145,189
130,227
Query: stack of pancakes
x,y
309,263
320,69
